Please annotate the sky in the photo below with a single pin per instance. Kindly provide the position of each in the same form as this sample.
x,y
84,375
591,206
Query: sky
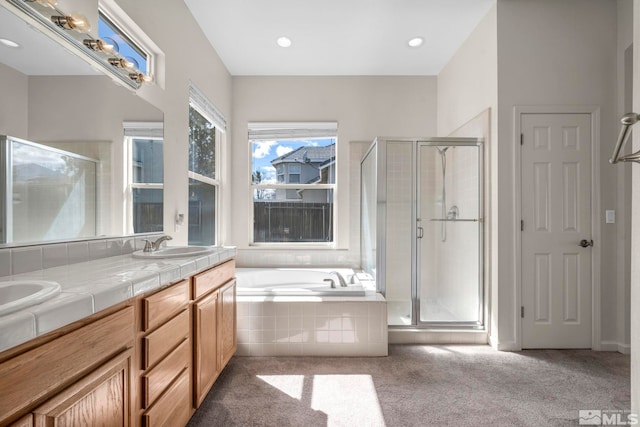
x,y
263,151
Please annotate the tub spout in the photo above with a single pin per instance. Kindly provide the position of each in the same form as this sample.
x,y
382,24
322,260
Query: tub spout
x,y
343,283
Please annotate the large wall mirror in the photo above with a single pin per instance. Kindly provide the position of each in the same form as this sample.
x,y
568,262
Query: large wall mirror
x,y
52,97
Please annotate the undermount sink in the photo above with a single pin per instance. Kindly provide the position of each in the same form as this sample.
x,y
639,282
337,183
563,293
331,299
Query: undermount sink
x,y
175,252
18,294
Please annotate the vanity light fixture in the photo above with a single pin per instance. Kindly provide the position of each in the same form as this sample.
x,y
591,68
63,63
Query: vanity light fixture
x,y
284,41
415,42
9,43
100,45
102,52
72,21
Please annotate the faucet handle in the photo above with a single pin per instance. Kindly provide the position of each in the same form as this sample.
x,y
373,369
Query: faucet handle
x,y
148,246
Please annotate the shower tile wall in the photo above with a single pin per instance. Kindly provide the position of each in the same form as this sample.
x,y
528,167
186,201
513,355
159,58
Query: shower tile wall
x,y
327,328
399,231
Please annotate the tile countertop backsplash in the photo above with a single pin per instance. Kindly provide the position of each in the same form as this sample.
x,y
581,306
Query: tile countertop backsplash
x,y
90,286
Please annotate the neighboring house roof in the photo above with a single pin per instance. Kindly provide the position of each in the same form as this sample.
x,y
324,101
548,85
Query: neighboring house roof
x,y
308,155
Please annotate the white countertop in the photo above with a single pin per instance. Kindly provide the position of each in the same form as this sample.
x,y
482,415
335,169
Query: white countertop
x,y
89,287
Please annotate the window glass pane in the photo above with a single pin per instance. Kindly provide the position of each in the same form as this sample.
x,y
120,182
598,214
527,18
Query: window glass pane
x,y
310,161
147,210
202,145
111,34
147,161
202,213
307,219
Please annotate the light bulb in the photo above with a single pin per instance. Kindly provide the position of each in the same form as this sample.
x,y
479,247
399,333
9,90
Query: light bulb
x,y
73,21
100,45
140,78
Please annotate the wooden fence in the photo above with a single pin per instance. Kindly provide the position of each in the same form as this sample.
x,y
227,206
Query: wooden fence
x,y
292,222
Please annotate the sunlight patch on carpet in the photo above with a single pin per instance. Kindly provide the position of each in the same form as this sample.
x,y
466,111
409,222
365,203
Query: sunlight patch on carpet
x,y
290,385
348,400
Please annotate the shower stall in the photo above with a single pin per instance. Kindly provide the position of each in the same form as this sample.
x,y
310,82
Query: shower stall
x,y
422,229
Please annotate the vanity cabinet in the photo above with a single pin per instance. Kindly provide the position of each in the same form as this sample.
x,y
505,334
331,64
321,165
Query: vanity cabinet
x,y
84,371
214,328
149,361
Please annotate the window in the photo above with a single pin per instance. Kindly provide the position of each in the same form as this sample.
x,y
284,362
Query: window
x,y
146,176
122,43
294,173
118,29
206,134
293,182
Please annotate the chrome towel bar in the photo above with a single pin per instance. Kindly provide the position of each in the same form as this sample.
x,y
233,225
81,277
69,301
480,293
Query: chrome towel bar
x,y
627,121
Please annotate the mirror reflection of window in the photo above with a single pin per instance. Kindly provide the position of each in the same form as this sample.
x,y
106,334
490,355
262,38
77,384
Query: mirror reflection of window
x,y
144,207
147,196
53,193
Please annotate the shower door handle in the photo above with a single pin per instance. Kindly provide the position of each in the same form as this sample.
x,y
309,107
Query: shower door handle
x,y
420,233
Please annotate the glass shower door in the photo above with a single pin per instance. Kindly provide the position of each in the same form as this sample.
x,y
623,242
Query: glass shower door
x,y
449,231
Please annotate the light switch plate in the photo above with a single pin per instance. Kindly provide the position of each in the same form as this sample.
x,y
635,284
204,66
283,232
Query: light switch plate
x,y
610,216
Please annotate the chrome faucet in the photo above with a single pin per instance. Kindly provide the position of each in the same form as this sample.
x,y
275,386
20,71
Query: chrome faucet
x,y
333,284
150,246
343,283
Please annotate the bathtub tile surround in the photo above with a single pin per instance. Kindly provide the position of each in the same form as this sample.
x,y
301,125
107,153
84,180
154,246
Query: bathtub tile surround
x,y
324,326
88,286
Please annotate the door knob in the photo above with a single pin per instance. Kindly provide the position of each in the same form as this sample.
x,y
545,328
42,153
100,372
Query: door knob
x,y
586,243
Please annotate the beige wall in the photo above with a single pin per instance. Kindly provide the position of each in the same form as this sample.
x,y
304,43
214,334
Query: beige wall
x,y
635,225
467,107
555,53
14,87
624,80
364,107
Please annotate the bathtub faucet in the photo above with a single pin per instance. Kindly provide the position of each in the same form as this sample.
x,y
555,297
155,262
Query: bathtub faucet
x,y
150,246
343,283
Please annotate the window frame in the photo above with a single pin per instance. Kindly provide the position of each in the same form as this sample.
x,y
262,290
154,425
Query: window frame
x,y
319,130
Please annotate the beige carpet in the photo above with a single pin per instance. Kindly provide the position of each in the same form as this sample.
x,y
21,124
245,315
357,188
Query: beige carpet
x,y
419,386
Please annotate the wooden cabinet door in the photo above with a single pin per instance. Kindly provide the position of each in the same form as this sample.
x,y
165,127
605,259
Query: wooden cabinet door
x,y
206,352
99,399
228,342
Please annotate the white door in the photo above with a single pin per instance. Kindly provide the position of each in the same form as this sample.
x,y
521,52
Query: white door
x,y
556,215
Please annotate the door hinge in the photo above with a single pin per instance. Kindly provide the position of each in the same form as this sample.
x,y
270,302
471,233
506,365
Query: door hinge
x,y
522,311
521,225
521,139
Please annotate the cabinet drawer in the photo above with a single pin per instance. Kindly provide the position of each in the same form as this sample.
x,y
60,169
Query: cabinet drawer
x,y
164,339
159,307
156,380
173,408
214,278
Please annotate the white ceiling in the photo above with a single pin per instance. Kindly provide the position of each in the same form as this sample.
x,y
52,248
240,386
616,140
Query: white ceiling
x,y
337,37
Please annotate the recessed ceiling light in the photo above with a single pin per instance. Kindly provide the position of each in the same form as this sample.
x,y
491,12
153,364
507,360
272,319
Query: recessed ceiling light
x,y
9,43
284,41
415,42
